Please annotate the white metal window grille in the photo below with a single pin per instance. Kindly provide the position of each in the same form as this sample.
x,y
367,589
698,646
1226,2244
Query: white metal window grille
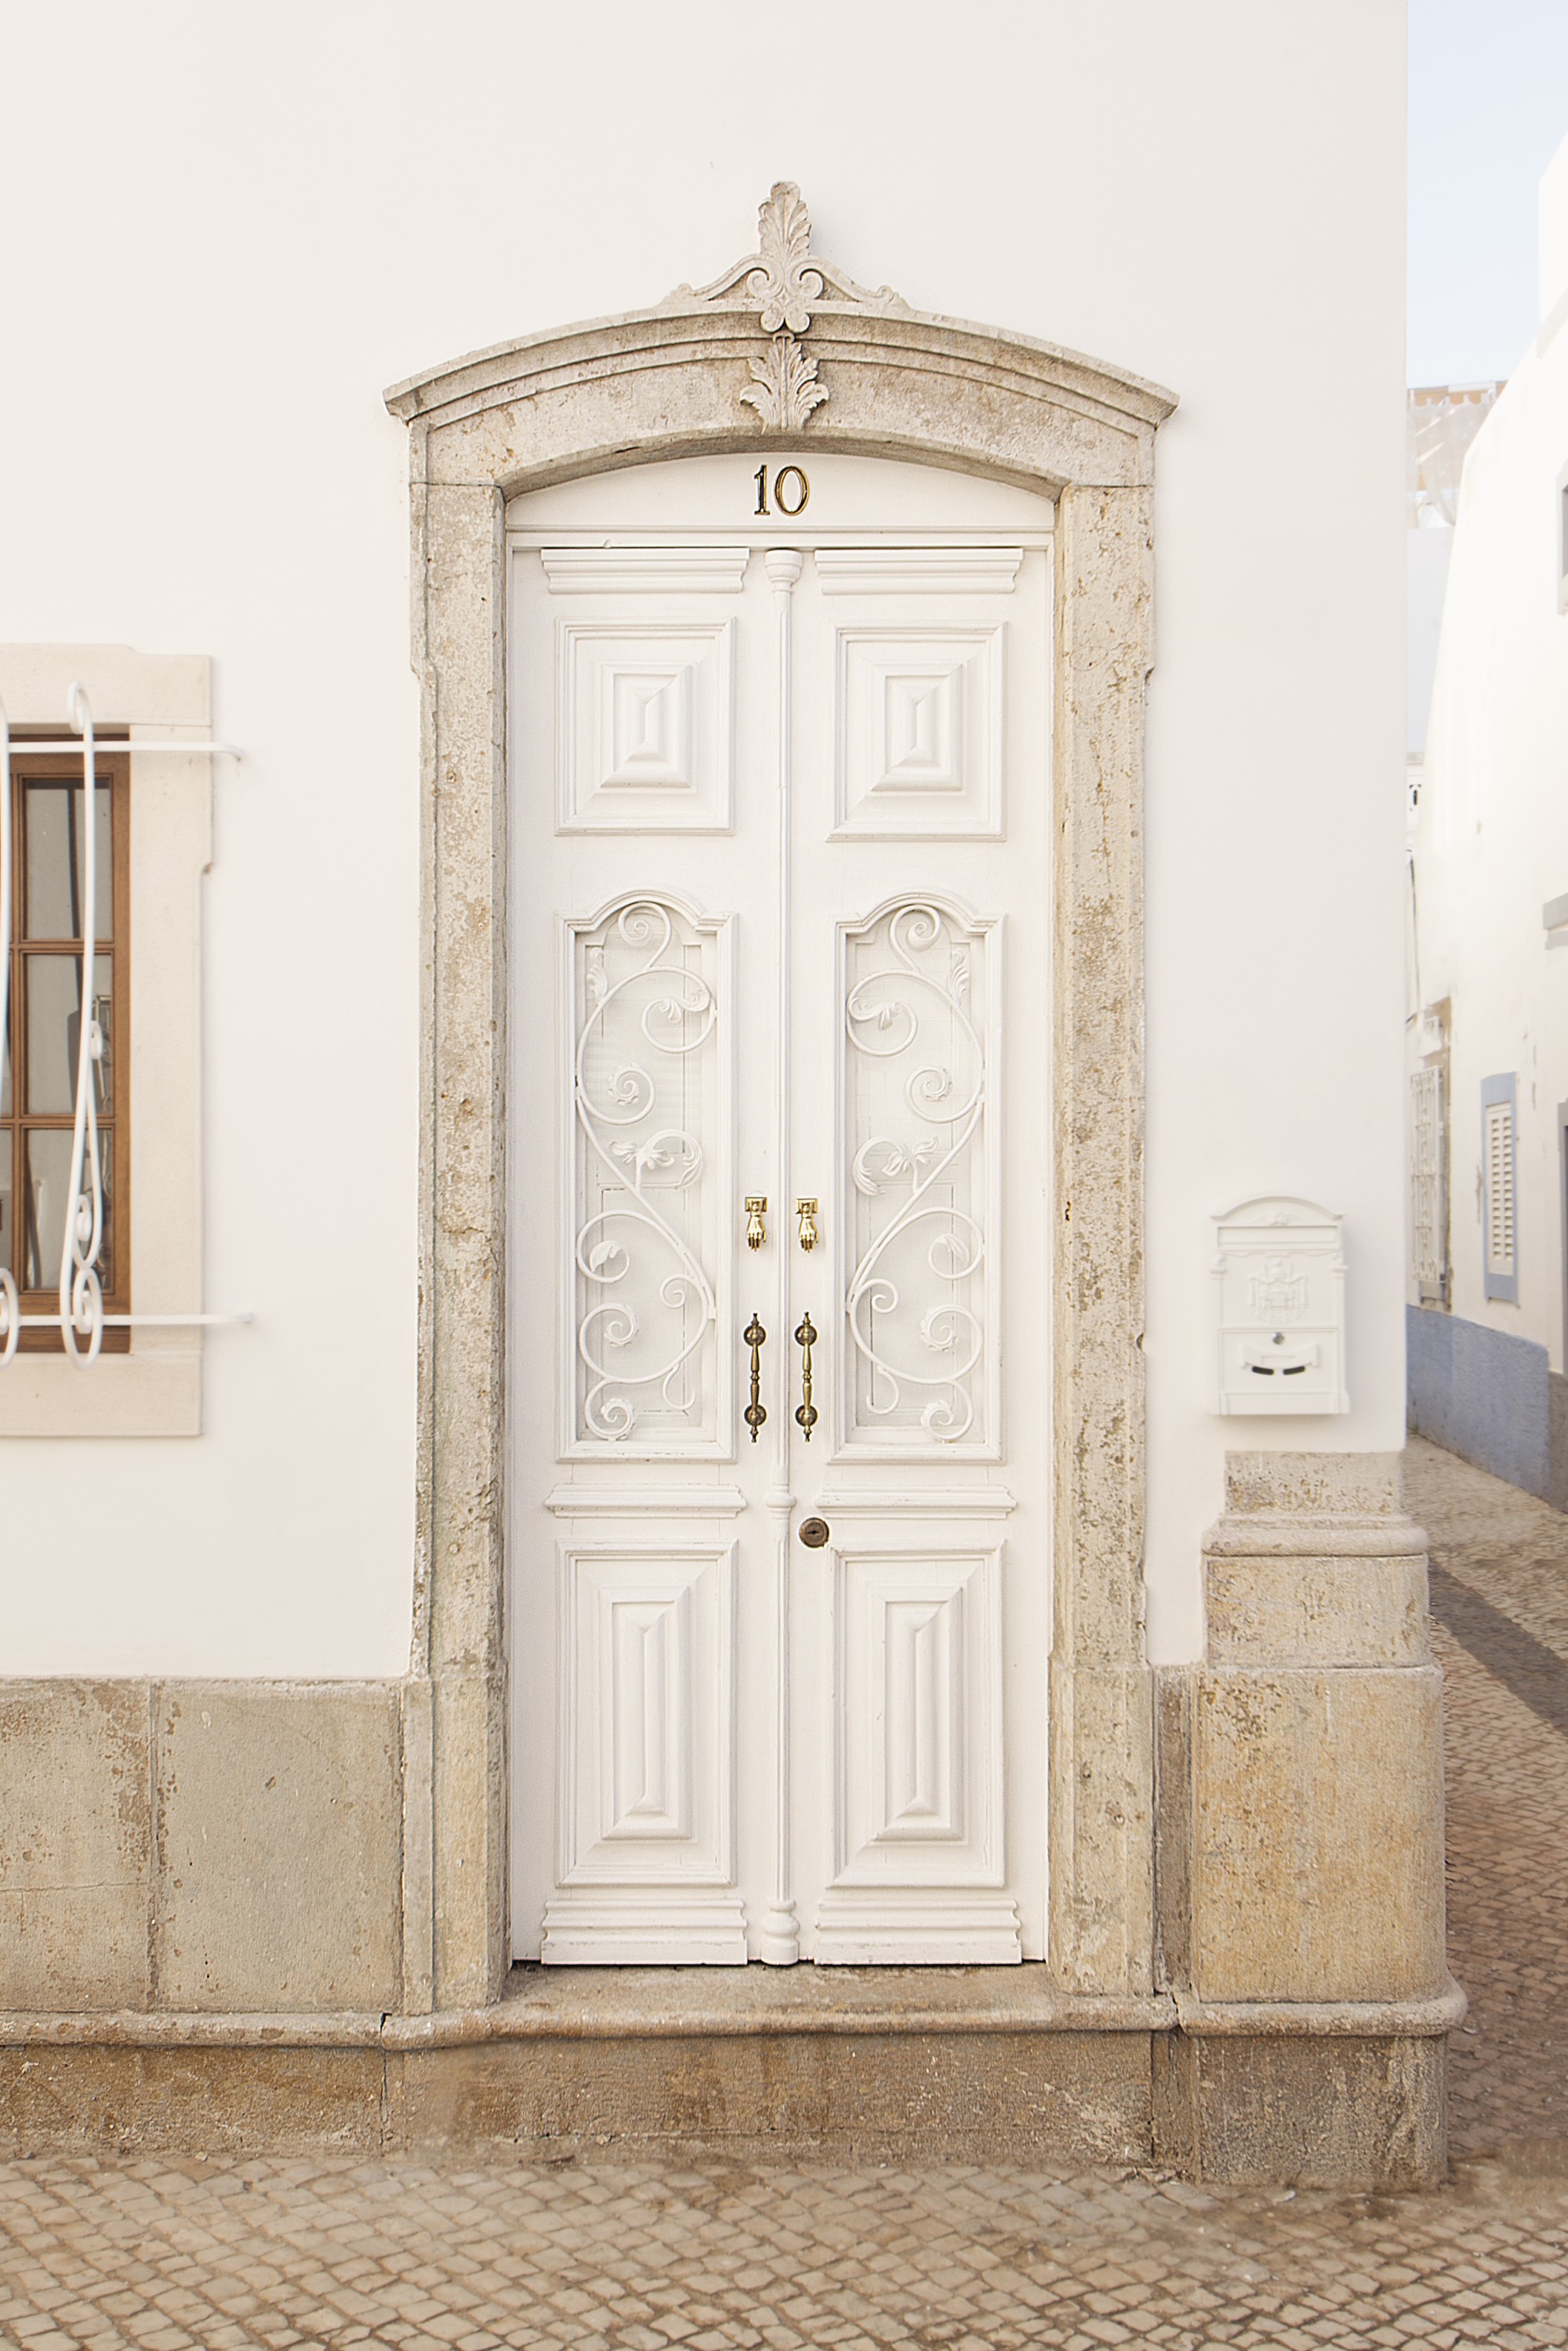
x,y
1429,1186
80,1318
1499,1153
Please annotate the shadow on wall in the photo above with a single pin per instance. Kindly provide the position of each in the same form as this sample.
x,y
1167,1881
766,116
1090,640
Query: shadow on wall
x,y
1490,1397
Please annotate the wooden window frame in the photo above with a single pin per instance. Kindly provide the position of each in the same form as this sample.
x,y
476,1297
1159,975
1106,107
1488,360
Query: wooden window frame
x,y
112,766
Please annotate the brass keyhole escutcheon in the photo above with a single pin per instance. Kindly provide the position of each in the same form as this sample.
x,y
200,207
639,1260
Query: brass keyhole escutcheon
x,y
814,1533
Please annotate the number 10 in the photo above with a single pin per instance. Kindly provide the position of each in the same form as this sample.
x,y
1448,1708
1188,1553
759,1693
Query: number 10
x,y
800,493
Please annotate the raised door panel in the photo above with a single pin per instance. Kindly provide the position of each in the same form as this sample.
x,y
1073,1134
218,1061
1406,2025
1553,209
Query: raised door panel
x,y
645,687
644,726
919,732
919,696
646,1763
918,1862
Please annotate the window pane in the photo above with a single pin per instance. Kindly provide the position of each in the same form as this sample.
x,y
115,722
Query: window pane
x,y
52,821
48,1181
8,1220
53,985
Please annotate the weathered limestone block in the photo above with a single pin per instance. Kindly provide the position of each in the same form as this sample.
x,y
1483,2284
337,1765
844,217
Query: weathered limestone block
x,y
1317,1862
1313,1762
1317,1612
1027,2097
280,1834
1316,2111
118,2100
1101,1880
76,1844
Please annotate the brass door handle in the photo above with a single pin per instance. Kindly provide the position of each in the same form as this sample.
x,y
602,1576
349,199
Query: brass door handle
x,y
807,1212
805,1411
756,1410
756,1221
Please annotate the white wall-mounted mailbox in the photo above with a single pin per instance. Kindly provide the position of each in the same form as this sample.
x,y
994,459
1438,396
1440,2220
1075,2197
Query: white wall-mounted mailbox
x,y
1279,1300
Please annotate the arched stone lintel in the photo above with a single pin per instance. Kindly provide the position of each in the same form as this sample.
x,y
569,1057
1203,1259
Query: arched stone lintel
x,y
659,385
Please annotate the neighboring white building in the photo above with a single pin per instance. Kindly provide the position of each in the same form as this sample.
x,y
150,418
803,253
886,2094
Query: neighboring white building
x,y
762,819
1488,1021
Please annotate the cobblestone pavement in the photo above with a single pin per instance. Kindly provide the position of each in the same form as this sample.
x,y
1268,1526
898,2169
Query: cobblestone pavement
x,y
163,2255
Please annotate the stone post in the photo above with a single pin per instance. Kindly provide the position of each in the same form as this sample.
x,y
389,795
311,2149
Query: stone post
x,y
1300,1872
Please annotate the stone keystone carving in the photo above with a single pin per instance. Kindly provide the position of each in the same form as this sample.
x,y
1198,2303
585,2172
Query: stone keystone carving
x,y
785,280
784,387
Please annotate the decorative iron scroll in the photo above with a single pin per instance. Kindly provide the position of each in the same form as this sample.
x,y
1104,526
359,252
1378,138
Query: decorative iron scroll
x,y
81,1319
645,1093
914,1127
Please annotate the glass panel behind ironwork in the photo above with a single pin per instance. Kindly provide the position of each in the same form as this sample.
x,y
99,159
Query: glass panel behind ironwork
x,y
54,1031
54,876
48,1165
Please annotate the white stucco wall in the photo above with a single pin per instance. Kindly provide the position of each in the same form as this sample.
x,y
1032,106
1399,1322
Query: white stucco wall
x,y
240,226
1426,584
1491,843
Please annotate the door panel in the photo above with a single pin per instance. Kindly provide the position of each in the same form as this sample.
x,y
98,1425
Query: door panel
x,y
644,741
919,747
647,1065
915,1190
780,858
647,1745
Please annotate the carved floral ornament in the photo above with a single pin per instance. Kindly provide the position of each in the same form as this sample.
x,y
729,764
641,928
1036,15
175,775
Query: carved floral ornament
x,y
786,281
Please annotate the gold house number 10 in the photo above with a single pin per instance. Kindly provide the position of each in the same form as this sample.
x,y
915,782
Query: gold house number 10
x,y
790,491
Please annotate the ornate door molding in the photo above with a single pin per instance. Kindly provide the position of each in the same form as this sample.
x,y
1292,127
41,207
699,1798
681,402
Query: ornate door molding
x,y
782,347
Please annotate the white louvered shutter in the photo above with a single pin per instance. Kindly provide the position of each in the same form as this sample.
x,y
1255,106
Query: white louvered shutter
x,y
1428,1186
1500,1189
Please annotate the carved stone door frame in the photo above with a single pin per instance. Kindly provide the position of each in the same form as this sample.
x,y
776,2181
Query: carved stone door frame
x,y
782,345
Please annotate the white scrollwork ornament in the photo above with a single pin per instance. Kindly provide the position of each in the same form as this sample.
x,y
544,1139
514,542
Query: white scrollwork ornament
x,y
644,1011
914,1305
81,1290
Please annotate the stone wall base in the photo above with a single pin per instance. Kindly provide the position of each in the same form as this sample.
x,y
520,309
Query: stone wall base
x,y
1317,2113
969,2065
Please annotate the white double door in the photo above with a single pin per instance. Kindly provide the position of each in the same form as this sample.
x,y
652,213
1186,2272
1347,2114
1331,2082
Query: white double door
x,y
780,934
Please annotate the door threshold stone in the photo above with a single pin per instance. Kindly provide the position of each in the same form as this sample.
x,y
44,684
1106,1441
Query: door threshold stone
x,y
902,2066
683,2002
